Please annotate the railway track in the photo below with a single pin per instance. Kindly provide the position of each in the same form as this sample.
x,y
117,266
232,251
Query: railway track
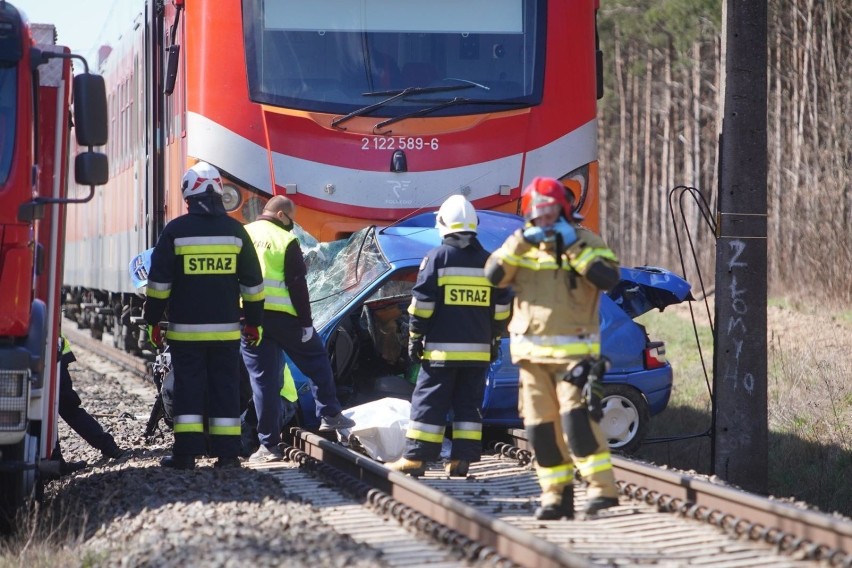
x,y
665,517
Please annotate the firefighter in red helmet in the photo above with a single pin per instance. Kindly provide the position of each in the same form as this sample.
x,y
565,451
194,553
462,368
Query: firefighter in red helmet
x,y
557,270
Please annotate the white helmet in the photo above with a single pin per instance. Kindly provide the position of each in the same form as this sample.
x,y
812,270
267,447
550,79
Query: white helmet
x,y
456,215
200,178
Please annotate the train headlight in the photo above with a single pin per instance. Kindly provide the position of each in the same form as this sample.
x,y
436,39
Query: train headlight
x,y
577,182
231,198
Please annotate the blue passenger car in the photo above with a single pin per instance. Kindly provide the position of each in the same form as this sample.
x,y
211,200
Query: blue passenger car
x,y
360,290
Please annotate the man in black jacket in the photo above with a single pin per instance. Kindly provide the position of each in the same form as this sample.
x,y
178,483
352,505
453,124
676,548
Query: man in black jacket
x,y
203,265
457,319
78,418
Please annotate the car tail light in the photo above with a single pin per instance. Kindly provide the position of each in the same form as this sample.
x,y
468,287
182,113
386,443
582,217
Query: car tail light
x,y
655,355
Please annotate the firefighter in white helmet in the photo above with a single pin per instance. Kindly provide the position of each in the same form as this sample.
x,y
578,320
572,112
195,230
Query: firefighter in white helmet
x,y
202,266
557,270
457,319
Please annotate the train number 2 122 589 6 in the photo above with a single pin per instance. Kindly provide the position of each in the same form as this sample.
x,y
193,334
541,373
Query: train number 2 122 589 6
x,y
398,143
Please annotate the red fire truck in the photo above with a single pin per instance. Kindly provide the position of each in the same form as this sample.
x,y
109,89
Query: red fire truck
x,y
36,97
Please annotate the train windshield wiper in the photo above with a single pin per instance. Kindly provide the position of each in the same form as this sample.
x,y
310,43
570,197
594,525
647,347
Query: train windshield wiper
x,y
394,95
452,102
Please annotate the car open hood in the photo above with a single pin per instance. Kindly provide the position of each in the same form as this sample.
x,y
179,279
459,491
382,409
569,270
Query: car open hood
x,y
644,288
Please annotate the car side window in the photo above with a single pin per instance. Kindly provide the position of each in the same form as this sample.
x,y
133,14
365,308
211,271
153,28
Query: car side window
x,y
385,316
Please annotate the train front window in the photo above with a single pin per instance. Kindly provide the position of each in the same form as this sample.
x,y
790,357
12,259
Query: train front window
x,y
341,55
8,113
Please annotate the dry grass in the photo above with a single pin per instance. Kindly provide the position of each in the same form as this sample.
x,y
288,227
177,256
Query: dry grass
x,y
809,392
47,537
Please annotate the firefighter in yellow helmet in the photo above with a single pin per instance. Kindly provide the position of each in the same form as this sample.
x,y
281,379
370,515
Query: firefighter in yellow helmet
x,y
457,318
557,270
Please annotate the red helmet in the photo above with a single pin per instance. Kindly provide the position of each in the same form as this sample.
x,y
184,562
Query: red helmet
x,y
545,194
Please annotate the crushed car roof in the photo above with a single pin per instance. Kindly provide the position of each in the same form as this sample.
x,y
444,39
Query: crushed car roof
x,y
419,234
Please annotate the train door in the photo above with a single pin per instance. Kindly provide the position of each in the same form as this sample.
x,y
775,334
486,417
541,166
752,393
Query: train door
x,y
154,132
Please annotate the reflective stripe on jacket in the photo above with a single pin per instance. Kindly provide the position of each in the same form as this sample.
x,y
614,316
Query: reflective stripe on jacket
x,y
201,268
65,354
271,243
556,310
454,308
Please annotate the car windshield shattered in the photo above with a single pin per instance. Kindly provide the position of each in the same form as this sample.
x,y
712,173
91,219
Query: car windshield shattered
x,y
340,270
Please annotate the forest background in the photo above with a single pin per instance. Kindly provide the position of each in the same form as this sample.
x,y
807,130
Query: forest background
x,y
658,129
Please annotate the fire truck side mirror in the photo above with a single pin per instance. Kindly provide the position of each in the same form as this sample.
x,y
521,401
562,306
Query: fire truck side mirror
x,y
90,110
91,168
30,211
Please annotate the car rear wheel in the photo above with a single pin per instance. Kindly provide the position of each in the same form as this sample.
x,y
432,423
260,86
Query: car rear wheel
x,y
626,418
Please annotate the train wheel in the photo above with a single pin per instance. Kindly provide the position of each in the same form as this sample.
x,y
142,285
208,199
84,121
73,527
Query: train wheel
x,y
118,330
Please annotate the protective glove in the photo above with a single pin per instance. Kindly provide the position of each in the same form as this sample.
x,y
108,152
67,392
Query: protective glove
x,y
495,349
155,336
564,228
415,350
253,334
535,235
307,333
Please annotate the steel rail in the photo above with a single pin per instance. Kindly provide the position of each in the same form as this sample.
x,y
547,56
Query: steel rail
x,y
507,540
813,534
136,364
818,534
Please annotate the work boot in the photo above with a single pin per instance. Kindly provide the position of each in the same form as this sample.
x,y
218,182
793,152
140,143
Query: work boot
x,y
67,468
414,468
227,463
178,462
457,468
599,504
113,453
563,509
338,422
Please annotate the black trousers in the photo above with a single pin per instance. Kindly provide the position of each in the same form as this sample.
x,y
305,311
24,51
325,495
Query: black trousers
x,y
439,391
207,383
76,416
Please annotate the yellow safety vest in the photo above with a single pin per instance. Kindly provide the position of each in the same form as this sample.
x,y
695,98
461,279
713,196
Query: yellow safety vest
x,y
271,243
64,346
288,391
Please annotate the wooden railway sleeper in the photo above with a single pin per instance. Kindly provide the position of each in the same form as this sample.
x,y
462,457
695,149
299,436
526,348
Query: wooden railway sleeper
x,y
732,524
388,506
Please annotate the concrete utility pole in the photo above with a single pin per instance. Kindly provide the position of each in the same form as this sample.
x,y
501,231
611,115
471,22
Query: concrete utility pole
x,y
739,451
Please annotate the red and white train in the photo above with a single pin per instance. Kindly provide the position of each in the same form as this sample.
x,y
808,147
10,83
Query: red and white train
x,y
361,111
